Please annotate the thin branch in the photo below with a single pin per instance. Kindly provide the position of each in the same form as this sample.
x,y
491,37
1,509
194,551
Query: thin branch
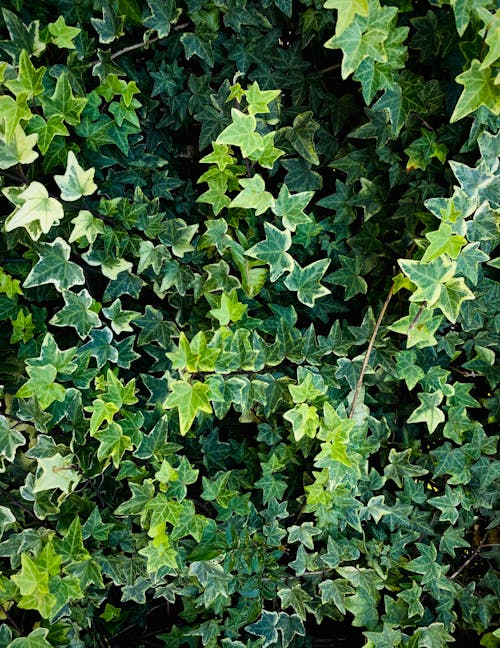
x,y
414,321
329,68
13,176
359,384
10,619
470,558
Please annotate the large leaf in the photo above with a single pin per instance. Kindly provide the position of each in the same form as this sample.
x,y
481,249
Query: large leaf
x,y
55,267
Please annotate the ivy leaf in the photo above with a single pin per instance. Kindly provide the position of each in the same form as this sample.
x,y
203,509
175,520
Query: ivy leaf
x,y
273,250
101,411
19,150
347,10
99,346
22,37
77,312
42,385
37,210
348,276
163,13
195,45
301,136
304,420
189,399
241,132
35,639
55,267
12,112
29,78
265,627
306,281
479,90
428,277
443,241
428,411
56,472
254,195
110,26
119,317
259,100
75,182
290,207
64,103
10,440
453,294
46,130
112,443
62,34
231,310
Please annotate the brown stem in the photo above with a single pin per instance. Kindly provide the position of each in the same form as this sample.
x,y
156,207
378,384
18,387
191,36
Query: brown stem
x,y
13,176
359,384
329,68
469,559
417,316
10,619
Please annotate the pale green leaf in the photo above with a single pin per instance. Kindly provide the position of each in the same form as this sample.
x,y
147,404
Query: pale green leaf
x,y
75,182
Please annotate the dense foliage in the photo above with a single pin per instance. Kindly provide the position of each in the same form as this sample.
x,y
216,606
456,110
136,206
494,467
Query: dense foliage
x,y
249,321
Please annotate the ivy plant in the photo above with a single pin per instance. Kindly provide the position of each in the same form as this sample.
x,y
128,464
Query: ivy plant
x,y
249,303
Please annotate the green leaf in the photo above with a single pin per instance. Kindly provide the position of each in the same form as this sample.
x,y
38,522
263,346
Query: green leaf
x,y
77,312
301,136
10,440
101,411
29,78
347,10
55,267
112,443
75,182
163,13
71,548
304,420
37,213
189,399
42,385
428,411
85,225
36,639
453,293
265,627
443,241
56,472
254,195
306,281
22,37
290,207
195,45
231,310
19,150
241,132
348,276
110,26
63,103
63,35
46,130
273,250
12,112
428,277
259,100
479,90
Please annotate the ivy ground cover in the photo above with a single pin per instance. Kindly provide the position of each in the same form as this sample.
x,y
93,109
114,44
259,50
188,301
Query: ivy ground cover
x,y
249,309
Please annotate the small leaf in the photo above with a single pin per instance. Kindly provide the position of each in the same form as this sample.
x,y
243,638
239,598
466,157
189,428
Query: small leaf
x,y
306,281
479,90
189,399
273,250
37,213
75,182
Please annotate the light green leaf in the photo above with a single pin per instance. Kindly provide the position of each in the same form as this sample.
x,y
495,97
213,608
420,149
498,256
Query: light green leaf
x,y
273,250
19,150
38,212
101,411
347,10
453,294
55,267
36,639
259,100
254,195
231,310
119,317
62,34
479,90
428,411
306,281
189,399
42,385
443,241
29,78
304,419
85,225
75,182
241,132
56,472
428,277
220,156
12,112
